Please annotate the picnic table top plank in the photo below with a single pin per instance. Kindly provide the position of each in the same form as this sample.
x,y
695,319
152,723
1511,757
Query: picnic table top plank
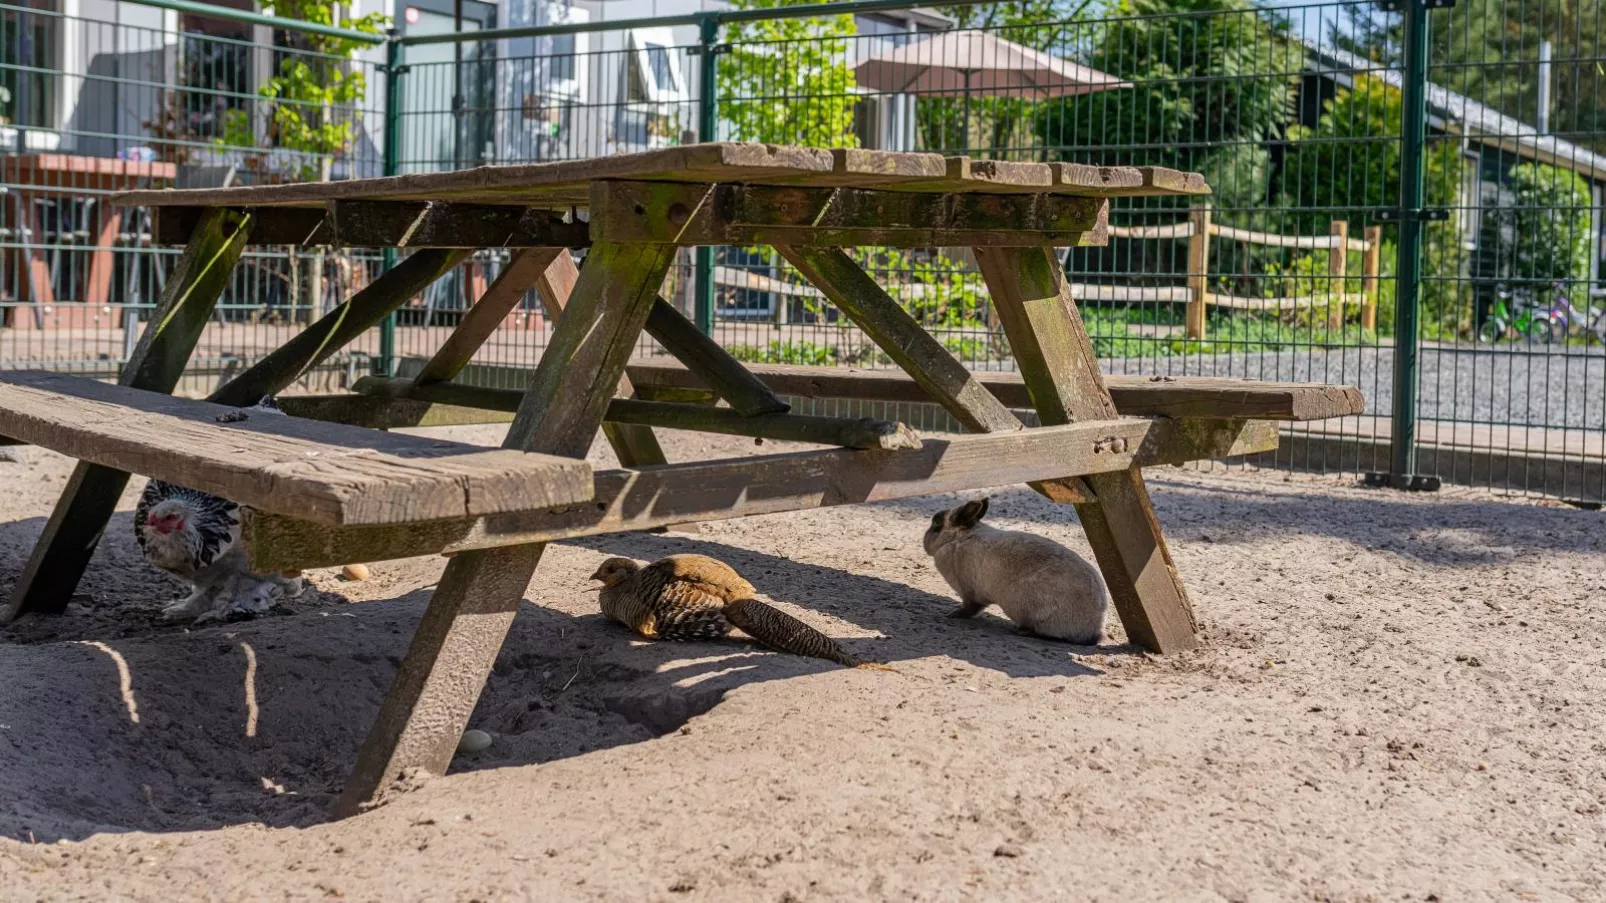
x,y
327,473
563,183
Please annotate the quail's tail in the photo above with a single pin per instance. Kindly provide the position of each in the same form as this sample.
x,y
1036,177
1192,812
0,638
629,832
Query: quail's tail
x,y
782,632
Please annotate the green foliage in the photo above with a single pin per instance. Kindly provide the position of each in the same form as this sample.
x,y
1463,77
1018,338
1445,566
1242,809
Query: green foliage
x,y
311,96
938,290
1236,333
1553,228
1212,82
970,345
786,81
776,352
1113,336
1349,161
1489,50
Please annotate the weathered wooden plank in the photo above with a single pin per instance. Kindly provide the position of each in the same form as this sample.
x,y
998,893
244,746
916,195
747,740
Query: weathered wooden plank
x,y
305,226
394,224
327,473
90,496
1126,181
939,373
634,446
363,311
692,214
745,393
1061,373
628,500
1134,396
752,164
443,224
381,413
702,162
847,432
439,681
488,313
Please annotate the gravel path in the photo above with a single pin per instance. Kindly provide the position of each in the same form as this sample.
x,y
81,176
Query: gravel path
x,y
1480,385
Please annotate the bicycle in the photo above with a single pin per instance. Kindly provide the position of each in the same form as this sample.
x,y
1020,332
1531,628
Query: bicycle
x,y
1529,323
1564,317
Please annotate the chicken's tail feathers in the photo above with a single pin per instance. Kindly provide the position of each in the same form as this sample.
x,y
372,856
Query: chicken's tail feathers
x,y
784,633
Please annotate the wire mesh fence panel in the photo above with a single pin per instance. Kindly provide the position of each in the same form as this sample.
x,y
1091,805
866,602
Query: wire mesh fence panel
x,y
1296,114
1513,378
140,97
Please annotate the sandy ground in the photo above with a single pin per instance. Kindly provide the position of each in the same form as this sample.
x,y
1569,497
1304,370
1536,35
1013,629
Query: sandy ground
x,y
1399,698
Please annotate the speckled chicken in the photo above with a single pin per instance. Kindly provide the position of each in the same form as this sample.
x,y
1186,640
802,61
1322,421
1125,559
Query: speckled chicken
x,y
694,597
195,536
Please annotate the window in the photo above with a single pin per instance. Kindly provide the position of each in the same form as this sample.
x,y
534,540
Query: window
x,y
214,73
561,67
30,36
654,68
563,55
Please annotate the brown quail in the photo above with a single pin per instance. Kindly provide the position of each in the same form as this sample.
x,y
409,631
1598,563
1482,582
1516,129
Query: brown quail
x,y
694,597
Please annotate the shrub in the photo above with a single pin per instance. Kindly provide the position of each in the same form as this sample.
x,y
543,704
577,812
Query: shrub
x,y
1553,229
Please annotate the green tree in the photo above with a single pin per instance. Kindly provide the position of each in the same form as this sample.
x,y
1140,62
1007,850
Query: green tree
x,y
1348,165
315,90
1212,83
787,81
1489,51
1553,227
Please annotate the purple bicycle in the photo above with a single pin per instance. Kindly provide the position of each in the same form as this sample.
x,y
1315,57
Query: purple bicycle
x,y
1563,318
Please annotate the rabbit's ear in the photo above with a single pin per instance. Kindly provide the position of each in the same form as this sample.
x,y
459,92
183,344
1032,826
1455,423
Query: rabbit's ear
x,y
969,514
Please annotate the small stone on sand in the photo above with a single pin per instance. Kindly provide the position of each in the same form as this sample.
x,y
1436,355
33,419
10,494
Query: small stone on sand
x,y
354,572
474,741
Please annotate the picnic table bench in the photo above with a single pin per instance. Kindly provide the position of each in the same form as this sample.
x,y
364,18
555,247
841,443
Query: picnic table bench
x,y
372,496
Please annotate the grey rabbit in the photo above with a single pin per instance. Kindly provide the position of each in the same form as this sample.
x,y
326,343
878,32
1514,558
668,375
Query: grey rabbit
x,y
1045,588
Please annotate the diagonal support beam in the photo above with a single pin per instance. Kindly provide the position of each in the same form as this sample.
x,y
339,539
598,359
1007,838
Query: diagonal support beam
x,y
634,446
914,349
487,314
902,337
336,329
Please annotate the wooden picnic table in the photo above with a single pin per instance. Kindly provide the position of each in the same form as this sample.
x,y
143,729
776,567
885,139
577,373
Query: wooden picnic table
x,y
373,496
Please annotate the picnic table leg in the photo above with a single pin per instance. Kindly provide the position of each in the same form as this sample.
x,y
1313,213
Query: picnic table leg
x,y
474,604
86,504
1062,375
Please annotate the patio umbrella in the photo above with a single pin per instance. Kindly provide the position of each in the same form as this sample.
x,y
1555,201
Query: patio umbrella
x,y
975,62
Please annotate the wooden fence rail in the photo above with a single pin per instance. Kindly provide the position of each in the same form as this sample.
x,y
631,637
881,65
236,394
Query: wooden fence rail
x,y
1197,295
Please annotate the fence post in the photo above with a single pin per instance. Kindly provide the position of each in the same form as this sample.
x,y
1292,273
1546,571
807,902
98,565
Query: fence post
x,y
1371,259
1198,269
1337,269
1408,268
385,363
707,126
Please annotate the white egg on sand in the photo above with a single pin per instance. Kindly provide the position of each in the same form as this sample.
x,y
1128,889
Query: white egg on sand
x,y
474,741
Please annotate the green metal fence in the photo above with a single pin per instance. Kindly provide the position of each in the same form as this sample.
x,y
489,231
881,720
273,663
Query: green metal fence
x,y
1407,199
